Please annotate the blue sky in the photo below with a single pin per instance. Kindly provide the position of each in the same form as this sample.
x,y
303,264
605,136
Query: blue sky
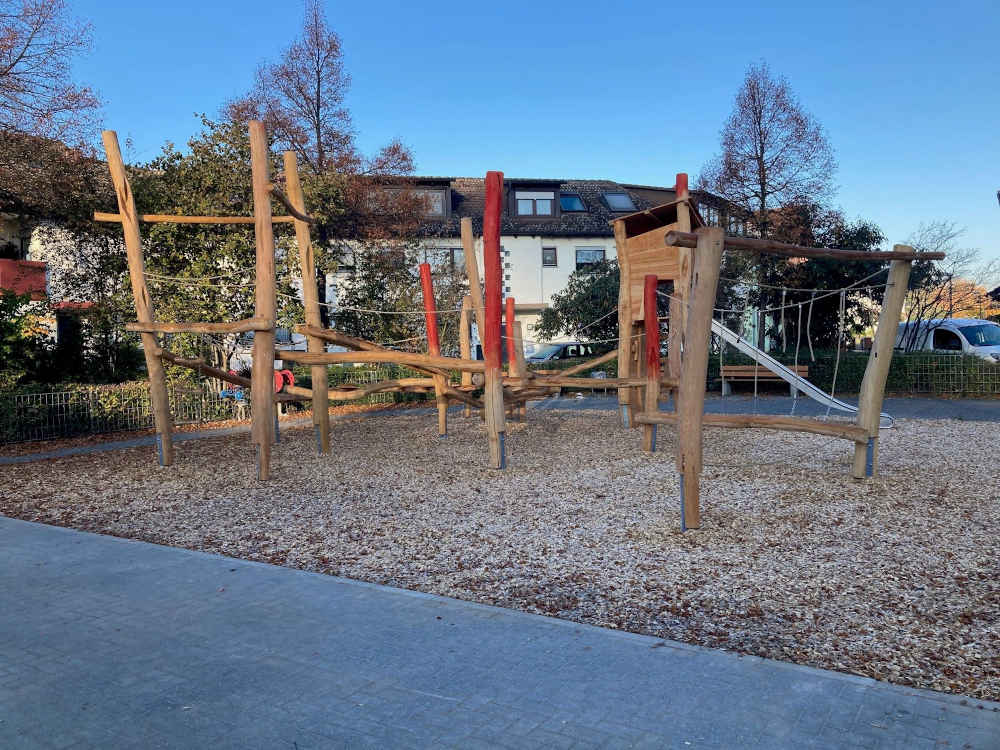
x,y
909,92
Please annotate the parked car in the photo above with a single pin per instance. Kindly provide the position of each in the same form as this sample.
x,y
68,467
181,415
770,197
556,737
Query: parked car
x,y
971,336
565,350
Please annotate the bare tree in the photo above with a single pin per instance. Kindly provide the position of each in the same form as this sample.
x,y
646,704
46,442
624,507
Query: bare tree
x,y
955,286
774,152
38,41
301,100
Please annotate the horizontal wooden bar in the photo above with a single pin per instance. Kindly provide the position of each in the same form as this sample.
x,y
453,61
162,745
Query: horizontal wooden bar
x,y
766,422
787,250
399,358
342,339
239,326
564,382
176,219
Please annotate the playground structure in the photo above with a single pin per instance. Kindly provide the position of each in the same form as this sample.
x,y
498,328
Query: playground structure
x,y
654,245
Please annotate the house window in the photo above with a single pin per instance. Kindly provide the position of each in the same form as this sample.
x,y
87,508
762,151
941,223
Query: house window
x,y
535,202
619,201
569,202
710,214
435,203
588,257
734,225
445,257
549,257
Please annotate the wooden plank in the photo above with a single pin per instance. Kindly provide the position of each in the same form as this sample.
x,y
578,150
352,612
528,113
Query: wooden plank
x,y
265,303
694,371
310,302
625,317
766,422
239,326
652,324
877,370
173,219
434,345
493,387
465,343
410,359
786,250
159,399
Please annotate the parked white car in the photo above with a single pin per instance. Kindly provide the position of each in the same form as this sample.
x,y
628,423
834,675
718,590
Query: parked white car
x,y
971,336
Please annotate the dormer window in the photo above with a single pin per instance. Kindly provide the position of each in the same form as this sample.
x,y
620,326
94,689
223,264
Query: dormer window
x,y
535,202
435,202
570,203
619,202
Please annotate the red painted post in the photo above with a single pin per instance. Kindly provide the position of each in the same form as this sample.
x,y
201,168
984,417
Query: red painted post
x,y
493,392
430,314
434,345
651,322
509,321
681,188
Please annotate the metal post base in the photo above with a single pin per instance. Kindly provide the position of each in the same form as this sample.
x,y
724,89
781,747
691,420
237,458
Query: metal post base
x,y
159,449
652,445
503,450
683,524
319,440
277,432
870,458
624,412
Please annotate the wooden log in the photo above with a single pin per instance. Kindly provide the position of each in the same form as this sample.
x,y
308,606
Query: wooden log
x,y
465,343
410,359
472,273
877,370
490,334
342,339
239,326
310,300
694,371
624,323
787,250
508,320
298,212
265,303
202,367
682,285
159,399
552,381
613,354
521,366
765,422
173,219
652,324
434,345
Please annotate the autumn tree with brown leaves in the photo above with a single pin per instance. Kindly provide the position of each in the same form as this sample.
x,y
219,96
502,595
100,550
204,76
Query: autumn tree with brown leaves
x,y
300,98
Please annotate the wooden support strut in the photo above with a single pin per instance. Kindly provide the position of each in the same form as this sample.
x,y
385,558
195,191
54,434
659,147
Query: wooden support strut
x,y
265,303
682,286
652,353
787,250
694,371
159,399
465,343
239,326
176,219
877,370
843,430
490,334
434,345
624,324
410,359
310,300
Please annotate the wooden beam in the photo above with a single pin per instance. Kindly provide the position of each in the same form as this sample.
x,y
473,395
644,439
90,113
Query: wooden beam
x,y
159,399
310,302
493,387
472,274
298,213
520,365
239,326
434,345
574,382
265,303
342,339
173,219
624,323
613,354
682,286
465,343
877,370
652,324
786,250
766,422
694,371
410,359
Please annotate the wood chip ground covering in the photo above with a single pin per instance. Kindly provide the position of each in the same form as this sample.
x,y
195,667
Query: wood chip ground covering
x,y
896,579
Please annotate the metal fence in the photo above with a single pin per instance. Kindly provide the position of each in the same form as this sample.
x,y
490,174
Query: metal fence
x,y
26,417
946,374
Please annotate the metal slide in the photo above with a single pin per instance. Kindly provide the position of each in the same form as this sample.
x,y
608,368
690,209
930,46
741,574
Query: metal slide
x,y
769,362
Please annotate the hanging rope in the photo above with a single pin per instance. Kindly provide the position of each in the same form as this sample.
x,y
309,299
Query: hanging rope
x,y
841,314
812,354
798,339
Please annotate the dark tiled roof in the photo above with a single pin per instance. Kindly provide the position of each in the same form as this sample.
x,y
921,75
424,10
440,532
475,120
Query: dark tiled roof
x,y
468,199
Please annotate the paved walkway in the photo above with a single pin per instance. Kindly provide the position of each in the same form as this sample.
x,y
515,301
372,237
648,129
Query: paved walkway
x,y
109,643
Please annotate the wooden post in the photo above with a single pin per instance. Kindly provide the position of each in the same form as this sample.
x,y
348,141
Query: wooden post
x,y
877,371
472,274
624,324
694,371
682,287
652,322
509,330
465,343
310,299
522,366
158,396
262,385
434,346
490,334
